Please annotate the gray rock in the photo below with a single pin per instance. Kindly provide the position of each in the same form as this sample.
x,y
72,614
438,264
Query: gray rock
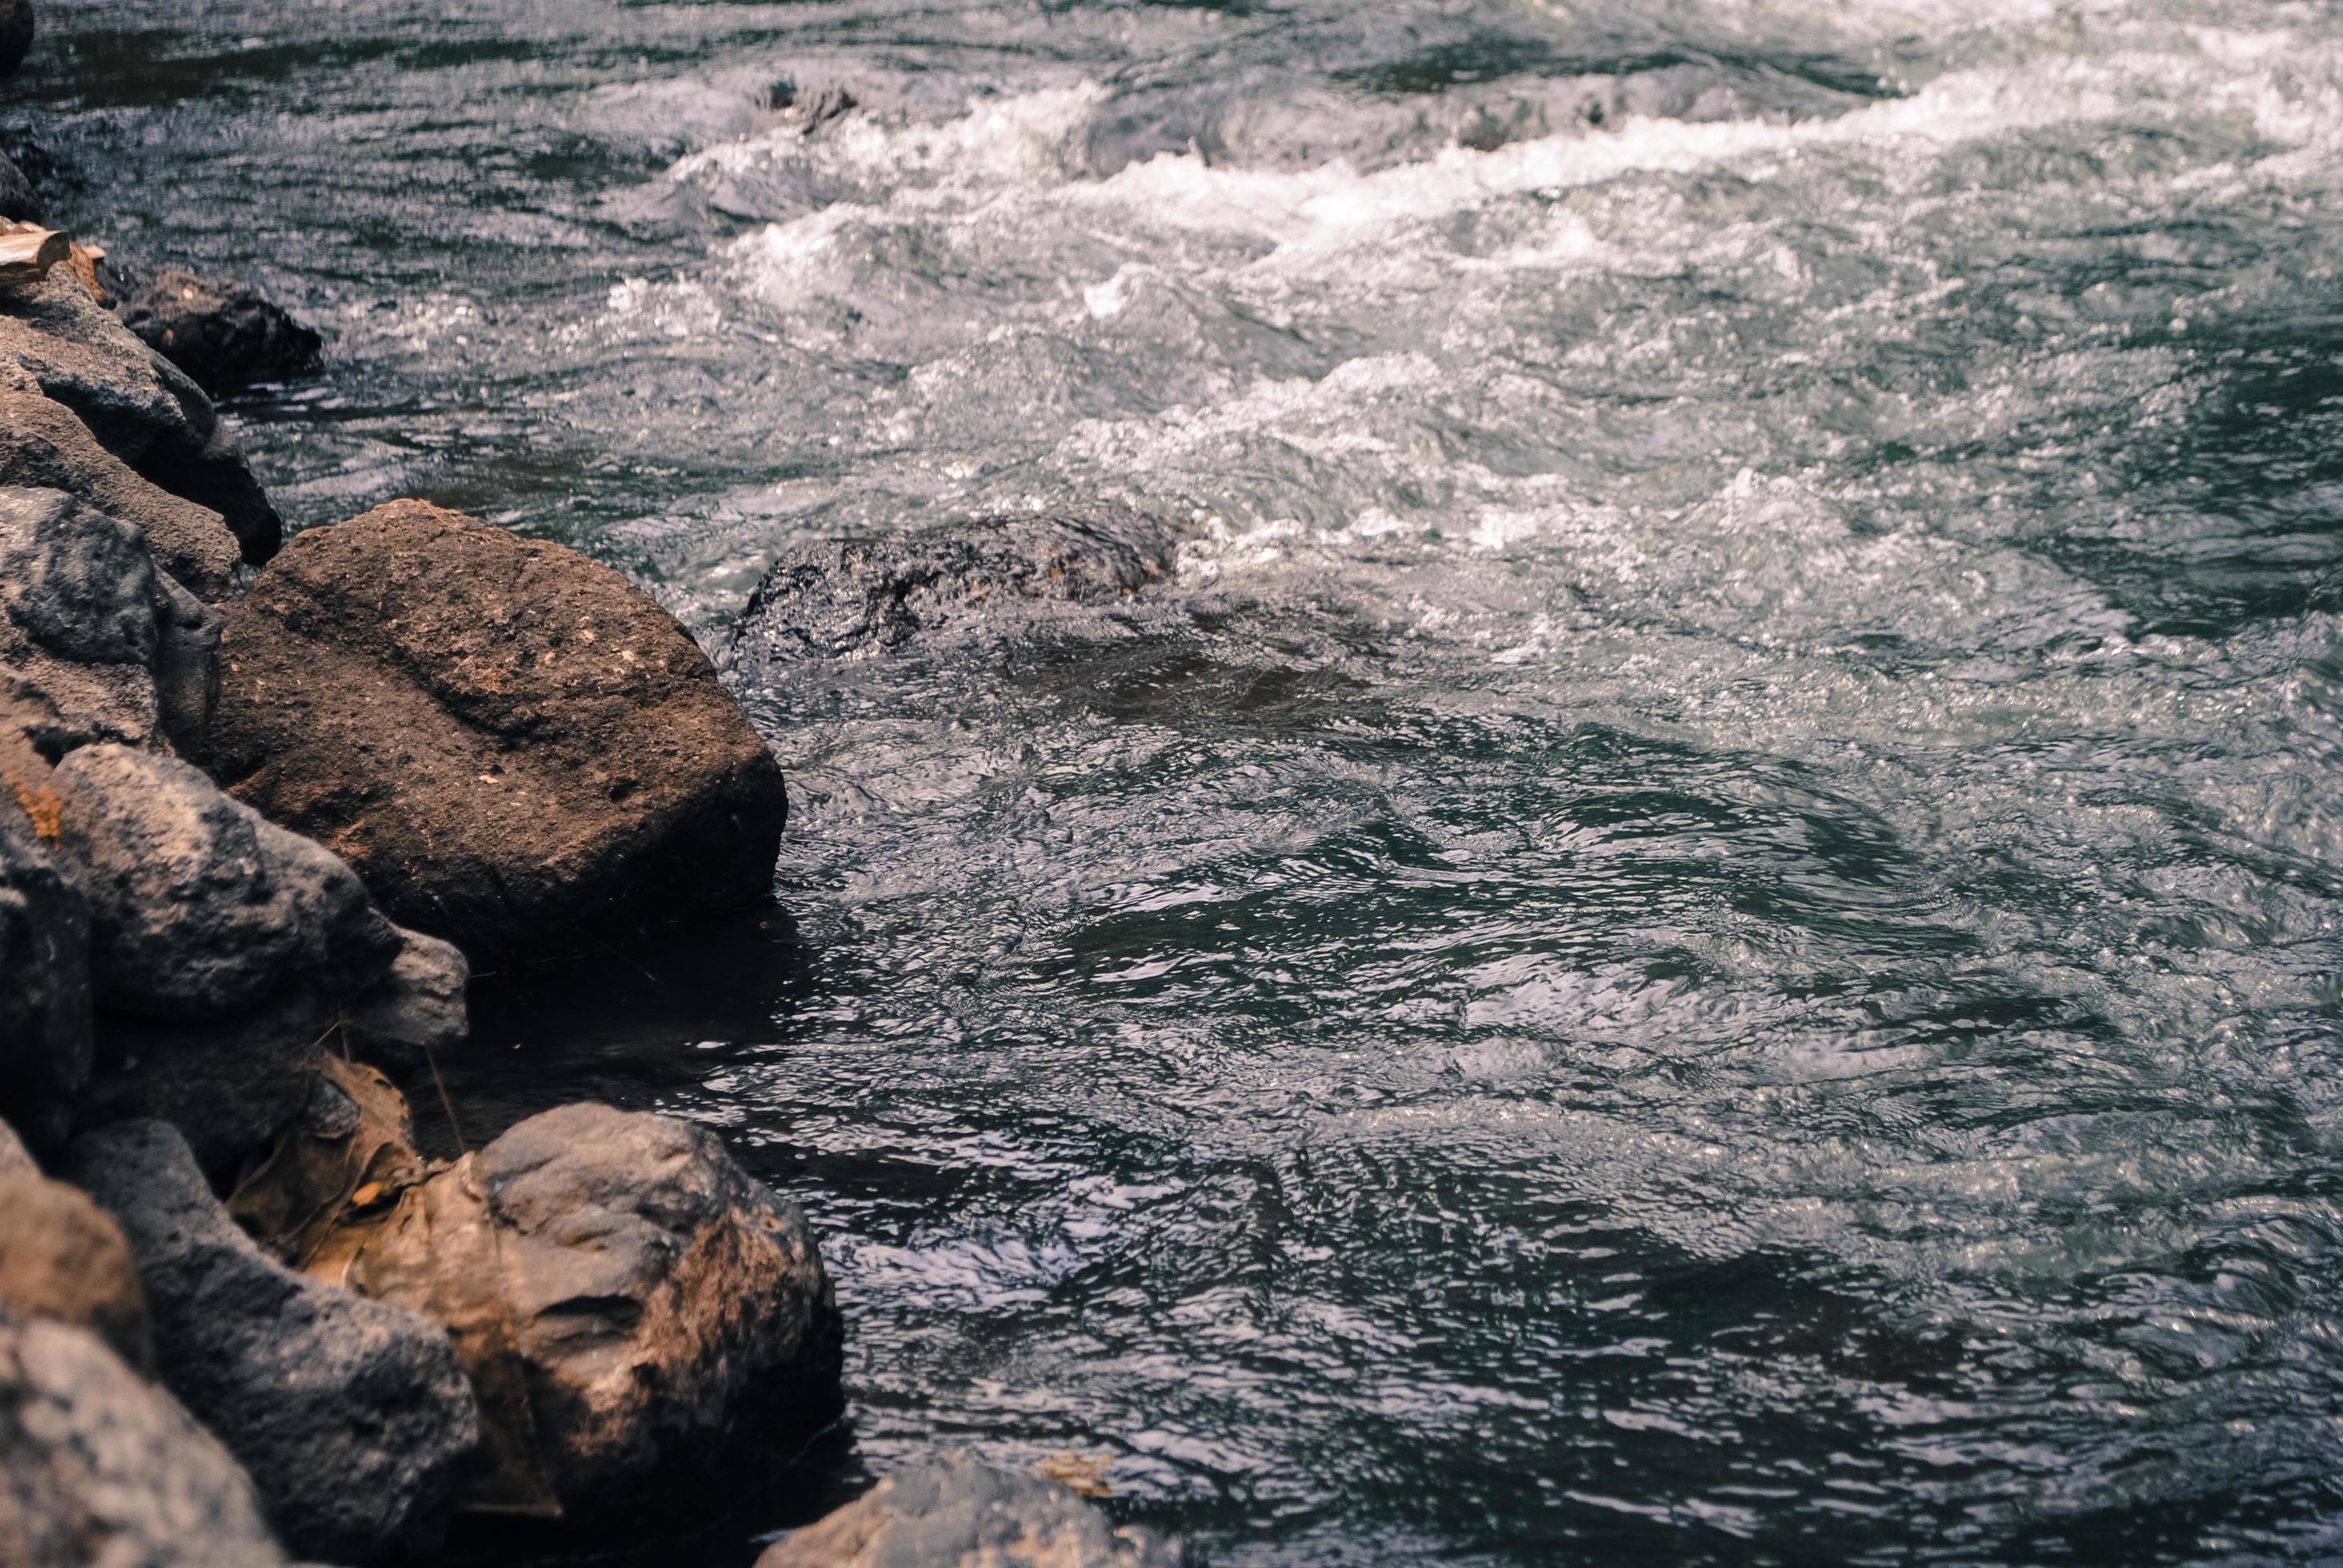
x,y
352,1415
224,335
955,1512
64,1258
56,339
18,199
231,1086
43,446
99,1468
15,1160
1037,575
198,906
44,971
630,1304
416,1009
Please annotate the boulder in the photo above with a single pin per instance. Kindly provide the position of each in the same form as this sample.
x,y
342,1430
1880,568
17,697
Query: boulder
x,y
628,1301
515,749
955,1512
44,965
15,34
56,340
19,200
62,1257
91,633
43,446
854,599
100,1467
352,1415
199,907
223,334
232,1086
417,1009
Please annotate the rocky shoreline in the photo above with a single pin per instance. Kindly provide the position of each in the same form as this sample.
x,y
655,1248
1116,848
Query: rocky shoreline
x,y
262,804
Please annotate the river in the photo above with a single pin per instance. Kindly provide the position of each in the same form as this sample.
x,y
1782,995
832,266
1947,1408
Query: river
x,y
1709,934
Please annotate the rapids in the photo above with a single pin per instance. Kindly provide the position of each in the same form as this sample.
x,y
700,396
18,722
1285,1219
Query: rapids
x,y
1707,930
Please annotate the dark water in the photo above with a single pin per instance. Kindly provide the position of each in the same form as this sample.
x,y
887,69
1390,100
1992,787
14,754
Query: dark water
x,y
1707,931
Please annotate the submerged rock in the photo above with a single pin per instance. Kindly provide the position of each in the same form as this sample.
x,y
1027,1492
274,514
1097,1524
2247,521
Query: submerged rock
x,y
62,1257
19,200
99,1468
199,907
90,633
44,446
628,1301
513,746
224,335
838,599
56,340
352,1415
956,1512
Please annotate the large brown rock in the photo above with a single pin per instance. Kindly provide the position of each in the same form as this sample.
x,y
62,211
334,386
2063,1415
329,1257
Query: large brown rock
x,y
62,1257
512,745
56,340
43,446
956,1512
100,1468
631,1306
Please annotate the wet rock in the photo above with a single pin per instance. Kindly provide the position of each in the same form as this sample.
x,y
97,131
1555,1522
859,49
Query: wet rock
x,y
90,632
43,446
955,1512
64,1258
102,1467
199,907
352,1415
58,341
837,599
514,748
18,199
15,34
629,1303
44,971
224,335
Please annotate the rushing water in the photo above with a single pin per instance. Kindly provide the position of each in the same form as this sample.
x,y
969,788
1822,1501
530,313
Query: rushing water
x,y
1705,932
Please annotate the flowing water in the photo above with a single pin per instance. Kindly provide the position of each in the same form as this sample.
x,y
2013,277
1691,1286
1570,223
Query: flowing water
x,y
1705,927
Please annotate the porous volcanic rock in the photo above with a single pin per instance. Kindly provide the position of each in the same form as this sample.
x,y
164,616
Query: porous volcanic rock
x,y
44,986
62,1257
90,633
352,1415
100,1468
44,446
956,1512
514,748
630,1305
224,335
56,339
199,907
833,598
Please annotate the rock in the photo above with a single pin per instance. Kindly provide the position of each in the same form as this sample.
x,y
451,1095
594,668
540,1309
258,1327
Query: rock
x,y
19,200
44,984
352,1415
513,746
231,1086
44,447
91,633
223,334
835,599
14,1160
341,1164
417,1009
198,906
955,1512
628,1300
15,34
58,341
104,1469
62,1257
